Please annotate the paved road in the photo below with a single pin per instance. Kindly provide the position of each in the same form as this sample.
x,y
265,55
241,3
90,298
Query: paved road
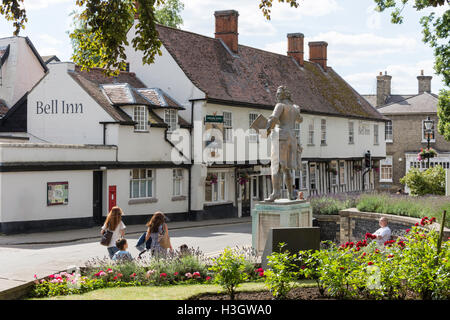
x,y
20,263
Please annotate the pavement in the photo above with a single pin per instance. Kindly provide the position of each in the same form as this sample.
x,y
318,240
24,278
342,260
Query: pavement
x,y
68,236
13,286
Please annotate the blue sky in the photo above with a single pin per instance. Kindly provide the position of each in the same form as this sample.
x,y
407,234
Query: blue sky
x,y
361,42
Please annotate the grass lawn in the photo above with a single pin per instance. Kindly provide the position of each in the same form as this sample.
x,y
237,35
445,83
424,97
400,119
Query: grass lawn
x,y
175,292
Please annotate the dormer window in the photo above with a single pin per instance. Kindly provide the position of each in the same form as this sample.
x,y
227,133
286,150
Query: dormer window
x,y
171,118
140,116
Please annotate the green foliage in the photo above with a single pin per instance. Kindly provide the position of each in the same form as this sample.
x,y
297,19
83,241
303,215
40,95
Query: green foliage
x,y
229,270
168,13
443,112
430,181
266,6
281,273
409,266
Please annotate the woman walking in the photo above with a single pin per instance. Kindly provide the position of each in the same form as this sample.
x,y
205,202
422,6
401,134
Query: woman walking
x,y
114,224
159,232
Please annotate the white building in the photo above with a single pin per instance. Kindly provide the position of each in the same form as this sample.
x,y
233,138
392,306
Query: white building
x,y
218,79
174,136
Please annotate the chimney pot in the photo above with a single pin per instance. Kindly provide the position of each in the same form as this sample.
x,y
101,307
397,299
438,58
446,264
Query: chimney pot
x,y
383,88
424,83
318,53
295,47
227,28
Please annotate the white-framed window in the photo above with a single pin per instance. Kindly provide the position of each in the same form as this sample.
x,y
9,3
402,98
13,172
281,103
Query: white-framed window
x,y
311,132
253,135
312,176
364,128
171,118
216,187
304,176
297,130
323,132
334,172
351,132
140,116
386,169
177,176
227,126
424,132
376,136
342,174
142,183
388,131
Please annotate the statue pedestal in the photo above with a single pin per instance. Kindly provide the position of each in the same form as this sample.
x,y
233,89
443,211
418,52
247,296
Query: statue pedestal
x,y
278,214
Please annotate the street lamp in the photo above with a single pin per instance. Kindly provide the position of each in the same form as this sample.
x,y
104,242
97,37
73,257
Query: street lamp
x,y
428,125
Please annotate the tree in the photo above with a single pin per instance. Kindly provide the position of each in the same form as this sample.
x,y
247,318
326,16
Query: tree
x,y
88,54
436,33
108,22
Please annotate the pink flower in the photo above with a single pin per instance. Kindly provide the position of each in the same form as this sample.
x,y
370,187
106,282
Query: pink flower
x,y
133,275
208,278
188,275
149,273
261,274
196,274
408,230
109,270
175,274
51,276
120,275
35,276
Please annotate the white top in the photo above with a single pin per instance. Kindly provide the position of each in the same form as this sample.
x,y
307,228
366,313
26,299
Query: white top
x,y
116,234
385,234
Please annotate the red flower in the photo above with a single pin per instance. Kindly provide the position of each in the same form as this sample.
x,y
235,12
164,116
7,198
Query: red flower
x,y
133,275
51,276
408,230
208,278
261,274
120,275
163,275
260,270
370,263
358,248
364,254
417,224
175,274
303,267
115,278
390,256
341,268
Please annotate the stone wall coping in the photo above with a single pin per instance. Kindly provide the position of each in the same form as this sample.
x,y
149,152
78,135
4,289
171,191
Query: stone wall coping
x,y
327,217
355,213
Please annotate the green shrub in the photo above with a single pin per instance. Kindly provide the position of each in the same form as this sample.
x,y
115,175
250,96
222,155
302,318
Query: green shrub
x,y
229,270
430,181
281,273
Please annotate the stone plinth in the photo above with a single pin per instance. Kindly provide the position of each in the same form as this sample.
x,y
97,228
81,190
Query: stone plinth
x,y
279,214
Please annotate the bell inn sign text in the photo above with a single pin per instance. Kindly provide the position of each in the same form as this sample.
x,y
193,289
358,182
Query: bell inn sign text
x,y
56,107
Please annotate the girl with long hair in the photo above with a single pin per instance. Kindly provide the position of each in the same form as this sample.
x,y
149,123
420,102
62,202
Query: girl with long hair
x,y
114,224
157,227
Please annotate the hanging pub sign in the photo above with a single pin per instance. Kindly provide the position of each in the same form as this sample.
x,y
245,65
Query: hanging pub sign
x,y
214,118
57,193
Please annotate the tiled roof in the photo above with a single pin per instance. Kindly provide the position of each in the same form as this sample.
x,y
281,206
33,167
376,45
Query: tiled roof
x,y
4,52
372,98
3,108
421,103
158,98
252,76
124,89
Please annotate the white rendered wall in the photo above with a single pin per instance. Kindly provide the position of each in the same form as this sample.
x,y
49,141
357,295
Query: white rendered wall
x,y
53,125
24,195
20,72
163,187
165,74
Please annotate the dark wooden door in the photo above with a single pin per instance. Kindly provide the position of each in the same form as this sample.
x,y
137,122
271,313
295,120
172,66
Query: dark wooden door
x,y
97,197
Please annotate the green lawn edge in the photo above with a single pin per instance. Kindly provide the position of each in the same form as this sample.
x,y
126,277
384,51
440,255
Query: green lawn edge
x,y
173,292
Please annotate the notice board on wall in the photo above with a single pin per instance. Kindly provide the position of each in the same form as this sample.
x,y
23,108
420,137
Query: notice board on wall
x,y
57,193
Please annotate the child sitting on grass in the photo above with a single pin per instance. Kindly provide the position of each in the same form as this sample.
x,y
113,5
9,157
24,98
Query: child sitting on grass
x,y
122,254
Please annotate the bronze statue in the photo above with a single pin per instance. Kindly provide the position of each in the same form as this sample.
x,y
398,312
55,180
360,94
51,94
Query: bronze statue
x,y
286,151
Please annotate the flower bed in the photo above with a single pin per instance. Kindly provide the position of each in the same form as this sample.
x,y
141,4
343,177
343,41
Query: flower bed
x,y
176,268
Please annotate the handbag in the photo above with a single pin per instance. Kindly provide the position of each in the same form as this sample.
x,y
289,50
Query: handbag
x,y
164,240
106,237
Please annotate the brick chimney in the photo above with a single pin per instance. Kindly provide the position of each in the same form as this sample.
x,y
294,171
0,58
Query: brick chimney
x,y
227,28
424,83
318,53
295,47
383,88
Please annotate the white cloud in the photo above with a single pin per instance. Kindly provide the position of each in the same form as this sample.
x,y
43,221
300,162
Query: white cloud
x,y
42,4
373,21
404,78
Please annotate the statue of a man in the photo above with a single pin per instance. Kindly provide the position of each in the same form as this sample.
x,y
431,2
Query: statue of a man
x,y
286,151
